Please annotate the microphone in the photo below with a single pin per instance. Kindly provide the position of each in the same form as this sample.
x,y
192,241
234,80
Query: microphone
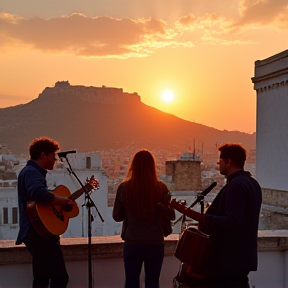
x,y
64,154
207,190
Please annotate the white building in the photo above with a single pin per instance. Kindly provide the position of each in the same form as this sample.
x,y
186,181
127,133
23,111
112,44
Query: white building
x,y
9,218
271,83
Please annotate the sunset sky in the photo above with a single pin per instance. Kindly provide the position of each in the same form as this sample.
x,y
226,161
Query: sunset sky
x,y
204,51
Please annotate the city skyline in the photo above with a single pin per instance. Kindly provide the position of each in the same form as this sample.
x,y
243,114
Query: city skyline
x,y
203,52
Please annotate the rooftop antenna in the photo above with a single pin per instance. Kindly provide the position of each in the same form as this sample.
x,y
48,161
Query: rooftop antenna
x,y
194,150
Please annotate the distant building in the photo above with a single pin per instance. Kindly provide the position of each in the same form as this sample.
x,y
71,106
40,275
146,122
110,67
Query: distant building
x,y
185,173
9,213
62,84
66,92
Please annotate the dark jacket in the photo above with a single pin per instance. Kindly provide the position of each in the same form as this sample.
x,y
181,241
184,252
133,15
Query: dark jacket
x,y
232,220
31,186
135,230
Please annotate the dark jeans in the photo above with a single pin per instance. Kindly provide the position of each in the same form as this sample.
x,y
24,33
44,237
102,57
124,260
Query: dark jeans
x,y
134,257
47,261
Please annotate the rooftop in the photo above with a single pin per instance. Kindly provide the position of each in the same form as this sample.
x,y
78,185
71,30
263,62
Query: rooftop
x,y
107,262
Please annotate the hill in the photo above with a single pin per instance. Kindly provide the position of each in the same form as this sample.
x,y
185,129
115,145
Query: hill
x,y
101,118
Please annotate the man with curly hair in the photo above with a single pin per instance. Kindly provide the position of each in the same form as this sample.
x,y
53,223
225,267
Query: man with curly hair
x,y
47,259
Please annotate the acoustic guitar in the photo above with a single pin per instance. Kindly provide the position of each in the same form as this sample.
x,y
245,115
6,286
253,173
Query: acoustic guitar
x,y
54,219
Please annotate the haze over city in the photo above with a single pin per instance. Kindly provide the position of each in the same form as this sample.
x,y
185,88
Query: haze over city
x,y
203,52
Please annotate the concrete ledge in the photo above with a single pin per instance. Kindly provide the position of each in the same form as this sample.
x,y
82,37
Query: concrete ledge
x,y
272,240
107,247
76,249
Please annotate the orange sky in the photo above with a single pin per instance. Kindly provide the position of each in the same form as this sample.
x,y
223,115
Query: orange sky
x,y
204,51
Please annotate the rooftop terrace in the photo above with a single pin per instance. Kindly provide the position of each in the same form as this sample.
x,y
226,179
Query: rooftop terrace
x,y
107,263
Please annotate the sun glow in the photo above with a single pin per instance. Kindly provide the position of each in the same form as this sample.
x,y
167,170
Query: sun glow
x,y
167,95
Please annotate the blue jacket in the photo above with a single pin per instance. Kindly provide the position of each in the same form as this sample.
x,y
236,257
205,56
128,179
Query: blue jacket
x,y
232,220
31,186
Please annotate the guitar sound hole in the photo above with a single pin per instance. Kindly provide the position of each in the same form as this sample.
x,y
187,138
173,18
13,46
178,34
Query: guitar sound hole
x,y
67,208
58,214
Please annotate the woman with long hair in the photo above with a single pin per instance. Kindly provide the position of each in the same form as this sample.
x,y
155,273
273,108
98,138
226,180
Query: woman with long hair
x,y
137,204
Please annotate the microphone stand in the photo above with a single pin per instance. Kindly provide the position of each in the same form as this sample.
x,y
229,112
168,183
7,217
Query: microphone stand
x,y
89,204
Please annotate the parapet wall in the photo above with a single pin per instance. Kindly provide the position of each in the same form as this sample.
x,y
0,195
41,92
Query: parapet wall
x,y
107,247
108,268
76,249
275,197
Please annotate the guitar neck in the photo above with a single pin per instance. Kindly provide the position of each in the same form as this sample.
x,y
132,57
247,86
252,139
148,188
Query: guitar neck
x,y
76,194
92,183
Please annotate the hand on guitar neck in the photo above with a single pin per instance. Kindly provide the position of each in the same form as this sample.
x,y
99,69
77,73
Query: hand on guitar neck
x,y
184,210
69,203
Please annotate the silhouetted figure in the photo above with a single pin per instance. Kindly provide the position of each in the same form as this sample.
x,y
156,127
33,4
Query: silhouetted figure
x,y
141,202
47,258
232,221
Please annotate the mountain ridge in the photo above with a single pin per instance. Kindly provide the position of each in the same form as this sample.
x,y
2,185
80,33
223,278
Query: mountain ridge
x,y
95,119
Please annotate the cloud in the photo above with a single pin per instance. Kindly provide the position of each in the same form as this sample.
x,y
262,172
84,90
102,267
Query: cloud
x,y
10,97
262,12
214,28
209,21
86,36
208,28
80,35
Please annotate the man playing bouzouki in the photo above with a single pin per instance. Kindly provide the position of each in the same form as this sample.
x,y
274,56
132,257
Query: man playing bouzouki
x,y
232,222
47,259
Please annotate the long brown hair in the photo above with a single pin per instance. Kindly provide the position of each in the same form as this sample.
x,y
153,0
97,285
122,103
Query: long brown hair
x,y
144,187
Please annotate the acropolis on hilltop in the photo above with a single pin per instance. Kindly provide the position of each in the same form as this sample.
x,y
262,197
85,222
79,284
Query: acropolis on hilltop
x,y
107,95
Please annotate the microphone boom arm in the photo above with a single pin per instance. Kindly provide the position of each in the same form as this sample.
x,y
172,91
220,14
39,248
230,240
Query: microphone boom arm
x,y
199,198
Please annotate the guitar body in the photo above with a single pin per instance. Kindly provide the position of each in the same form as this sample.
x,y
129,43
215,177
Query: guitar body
x,y
51,219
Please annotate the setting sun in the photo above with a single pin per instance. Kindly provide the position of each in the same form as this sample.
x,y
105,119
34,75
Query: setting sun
x,y
167,95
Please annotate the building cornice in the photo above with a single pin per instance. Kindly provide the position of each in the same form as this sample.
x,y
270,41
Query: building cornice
x,y
269,76
278,82
271,73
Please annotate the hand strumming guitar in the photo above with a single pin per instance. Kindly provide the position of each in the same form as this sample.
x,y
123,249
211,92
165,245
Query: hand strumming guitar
x,y
66,203
186,211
